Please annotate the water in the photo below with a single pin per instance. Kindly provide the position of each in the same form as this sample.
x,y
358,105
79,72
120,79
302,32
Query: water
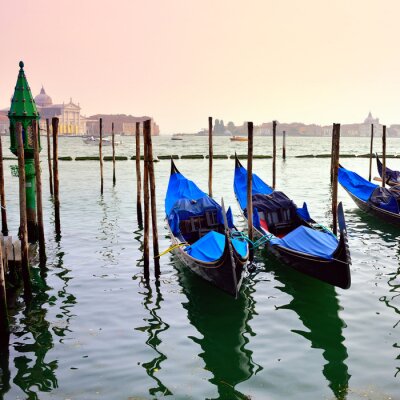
x,y
95,331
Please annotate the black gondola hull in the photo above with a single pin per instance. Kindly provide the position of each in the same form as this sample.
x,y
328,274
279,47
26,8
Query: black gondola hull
x,y
220,272
387,216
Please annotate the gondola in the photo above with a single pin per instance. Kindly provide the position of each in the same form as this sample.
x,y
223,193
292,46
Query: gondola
x,y
201,234
392,178
371,198
293,236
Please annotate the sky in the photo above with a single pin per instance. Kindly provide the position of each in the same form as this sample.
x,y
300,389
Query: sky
x,y
181,61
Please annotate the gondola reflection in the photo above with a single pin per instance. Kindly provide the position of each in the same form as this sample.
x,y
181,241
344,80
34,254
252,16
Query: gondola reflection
x,y
318,308
223,325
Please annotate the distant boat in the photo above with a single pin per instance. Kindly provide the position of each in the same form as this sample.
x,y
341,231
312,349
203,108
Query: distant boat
x,y
96,141
176,138
239,139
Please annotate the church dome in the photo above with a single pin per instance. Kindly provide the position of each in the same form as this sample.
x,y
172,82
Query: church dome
x,y
43,99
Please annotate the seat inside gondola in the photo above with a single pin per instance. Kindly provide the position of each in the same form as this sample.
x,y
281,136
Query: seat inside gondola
x,y
277,214
193,219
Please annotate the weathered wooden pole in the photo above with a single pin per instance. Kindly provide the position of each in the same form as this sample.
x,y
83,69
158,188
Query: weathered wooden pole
x,y
39,202
152,182
54,123
335,176
370,152
210,156
4,322
113,152
4,227
383,155
23,230
284,145
273,154
332,150
49,156
101,155
138,178
250,187
146,200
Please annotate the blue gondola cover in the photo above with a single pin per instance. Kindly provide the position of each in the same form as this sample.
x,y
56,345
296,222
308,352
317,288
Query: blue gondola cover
x,y
240,186
211,247
355,184
309,241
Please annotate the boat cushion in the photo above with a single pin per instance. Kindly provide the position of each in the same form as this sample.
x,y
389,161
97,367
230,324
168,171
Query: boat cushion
x,y
211,247
355,184
309,241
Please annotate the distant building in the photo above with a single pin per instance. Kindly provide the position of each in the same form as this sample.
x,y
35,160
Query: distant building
x,y
4,124
123,124
70,120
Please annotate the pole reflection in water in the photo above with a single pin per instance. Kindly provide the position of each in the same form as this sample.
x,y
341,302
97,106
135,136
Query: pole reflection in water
x,y
223,325
33,336
154,327
318,308
4,368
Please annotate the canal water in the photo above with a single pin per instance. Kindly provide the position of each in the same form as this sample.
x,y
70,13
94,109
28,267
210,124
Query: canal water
x,y
95,331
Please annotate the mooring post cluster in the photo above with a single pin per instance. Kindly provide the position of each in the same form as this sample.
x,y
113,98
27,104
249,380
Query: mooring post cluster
x,y
149,194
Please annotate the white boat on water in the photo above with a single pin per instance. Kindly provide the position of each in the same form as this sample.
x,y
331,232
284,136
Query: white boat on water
x,y
96,141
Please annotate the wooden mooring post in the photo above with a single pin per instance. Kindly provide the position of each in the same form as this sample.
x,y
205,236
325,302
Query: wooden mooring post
x,y
250,187
101,155
210,156
273,154
4,227
383,155
54,123
370,152
332,151
113,152
138,179
39,202
4,321
23,230
335,168
284,145
146,200
49,156
152,183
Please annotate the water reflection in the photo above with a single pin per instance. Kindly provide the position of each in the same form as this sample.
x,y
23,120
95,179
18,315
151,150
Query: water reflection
x,y
152,300
33,335
108,228
318,308
223,325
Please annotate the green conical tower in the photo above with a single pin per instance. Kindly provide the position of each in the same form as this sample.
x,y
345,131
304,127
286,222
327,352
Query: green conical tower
x,y
23,109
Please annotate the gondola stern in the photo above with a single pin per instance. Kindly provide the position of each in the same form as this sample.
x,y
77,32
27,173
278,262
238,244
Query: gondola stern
x,y
174,170
238,164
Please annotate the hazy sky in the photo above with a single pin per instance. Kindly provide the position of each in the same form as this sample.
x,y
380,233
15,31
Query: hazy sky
x,y
183,60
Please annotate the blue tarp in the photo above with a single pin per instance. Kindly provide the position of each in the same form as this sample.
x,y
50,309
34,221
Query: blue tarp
x,y
181,188
355,184
240,186
303,212
211,247
309,241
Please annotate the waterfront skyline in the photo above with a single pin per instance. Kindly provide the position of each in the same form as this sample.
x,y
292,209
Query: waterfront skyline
x,y
310,61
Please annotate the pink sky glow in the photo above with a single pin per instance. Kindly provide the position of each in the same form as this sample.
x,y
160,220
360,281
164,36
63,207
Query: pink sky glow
x,y
183,60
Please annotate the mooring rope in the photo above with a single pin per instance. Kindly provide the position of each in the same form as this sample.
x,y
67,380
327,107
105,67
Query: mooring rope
x,y
170,248
254,244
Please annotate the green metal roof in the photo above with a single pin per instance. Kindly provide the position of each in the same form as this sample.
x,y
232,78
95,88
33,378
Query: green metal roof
x,y
22,103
